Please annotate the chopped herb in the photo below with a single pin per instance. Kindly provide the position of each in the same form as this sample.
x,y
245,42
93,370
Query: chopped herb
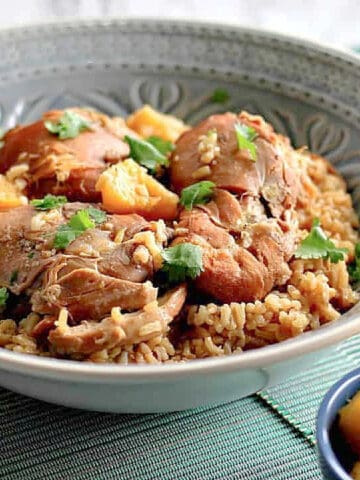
x,y
163,146
48,202
31,255
81,221
354,267
64,236
70,125
4,295
220,95
146,154
98,216
245,138
182,261
197,194
78,223
318,245
14,277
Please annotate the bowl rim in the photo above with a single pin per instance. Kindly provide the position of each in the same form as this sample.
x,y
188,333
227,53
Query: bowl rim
x,y
305,343
324,421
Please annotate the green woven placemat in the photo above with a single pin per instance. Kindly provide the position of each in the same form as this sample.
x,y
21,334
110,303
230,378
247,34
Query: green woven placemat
x,y
242,439
298,400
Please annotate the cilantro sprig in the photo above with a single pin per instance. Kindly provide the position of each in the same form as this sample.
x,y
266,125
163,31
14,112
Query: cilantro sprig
x,y
98,216
197,194
146,154
163,146
318,245
219,95
182,261
70,125
4,295
80,222
354,267
245,137
48,202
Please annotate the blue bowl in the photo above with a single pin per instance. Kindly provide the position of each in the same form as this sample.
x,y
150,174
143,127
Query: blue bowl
x,y
334,455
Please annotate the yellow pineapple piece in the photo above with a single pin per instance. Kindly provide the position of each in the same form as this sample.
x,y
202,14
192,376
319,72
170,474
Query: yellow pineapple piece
x,y
127,188
9,195
148,122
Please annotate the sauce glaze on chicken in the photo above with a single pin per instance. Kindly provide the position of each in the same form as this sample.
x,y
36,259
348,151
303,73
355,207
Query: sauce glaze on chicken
x,y
104,289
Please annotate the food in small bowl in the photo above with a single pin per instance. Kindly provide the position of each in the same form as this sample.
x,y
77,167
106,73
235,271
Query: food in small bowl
x,y
147,240
338,429
349,425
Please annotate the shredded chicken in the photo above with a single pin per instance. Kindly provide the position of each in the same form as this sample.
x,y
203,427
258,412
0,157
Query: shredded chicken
x,y
68,167
119,329
248,232
90,276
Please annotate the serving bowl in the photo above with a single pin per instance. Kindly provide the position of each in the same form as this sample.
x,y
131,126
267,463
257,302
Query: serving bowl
x,y
308,92
334,455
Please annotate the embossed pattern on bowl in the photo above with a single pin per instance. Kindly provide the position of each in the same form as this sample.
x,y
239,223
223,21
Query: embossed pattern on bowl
x,y
307,92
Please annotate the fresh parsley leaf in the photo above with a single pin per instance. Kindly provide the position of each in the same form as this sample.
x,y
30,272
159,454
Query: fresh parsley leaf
x,y
197,194
146,154
81,221
48,202
220,95
31,255
64,236
70,125
14,276
163,146
77,224
354,267
4,295
182,261
98,216
245,137
317,245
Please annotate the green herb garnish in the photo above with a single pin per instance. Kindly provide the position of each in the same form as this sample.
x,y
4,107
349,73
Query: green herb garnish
x,y
14,276
197,194
146,154
318,245
48,202
70,125
182,261
78,223
81,221
245,137
98,216
163,146
220,95
354,267
4,295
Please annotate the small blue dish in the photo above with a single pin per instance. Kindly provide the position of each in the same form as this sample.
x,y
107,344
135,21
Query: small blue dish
x,y
335,457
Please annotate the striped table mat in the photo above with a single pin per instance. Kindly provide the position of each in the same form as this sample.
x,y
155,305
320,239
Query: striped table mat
x,y
242,439
268,436
298,399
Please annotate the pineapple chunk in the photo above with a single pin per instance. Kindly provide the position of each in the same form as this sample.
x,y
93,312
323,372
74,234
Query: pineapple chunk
x,y
9,196
127,188
355,472
148,122
349,423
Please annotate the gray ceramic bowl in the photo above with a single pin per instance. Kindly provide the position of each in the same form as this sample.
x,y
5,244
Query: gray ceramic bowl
x,y
310,93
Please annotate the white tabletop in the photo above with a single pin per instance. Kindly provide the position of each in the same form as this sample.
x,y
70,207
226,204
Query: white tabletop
x,y
332,21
